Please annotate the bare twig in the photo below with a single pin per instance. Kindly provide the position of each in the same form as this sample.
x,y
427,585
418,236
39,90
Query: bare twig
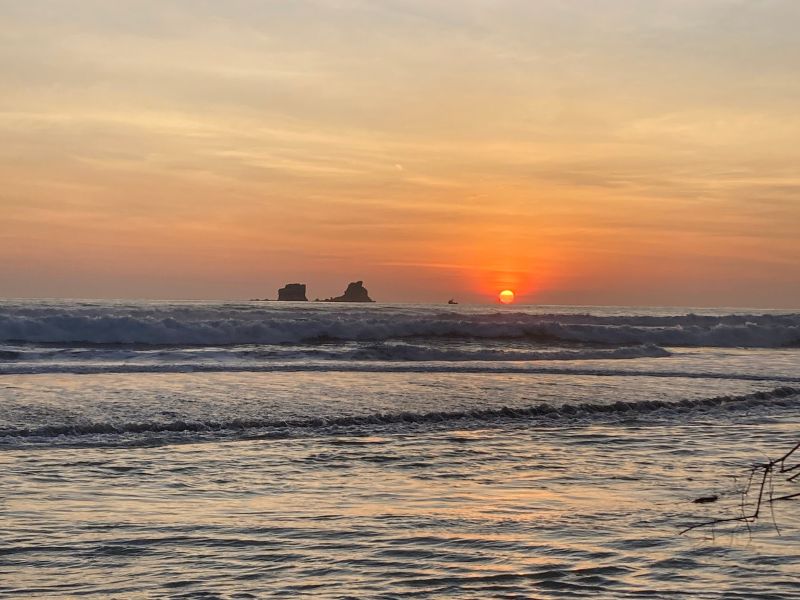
x,y
764,473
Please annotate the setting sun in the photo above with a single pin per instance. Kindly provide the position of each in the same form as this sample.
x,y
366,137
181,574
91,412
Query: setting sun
x,y
506,296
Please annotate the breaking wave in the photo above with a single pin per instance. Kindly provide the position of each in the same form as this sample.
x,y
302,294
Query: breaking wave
x,y
783,396
204,325
103,359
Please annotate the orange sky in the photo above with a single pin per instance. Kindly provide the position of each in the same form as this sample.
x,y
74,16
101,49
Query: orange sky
x,y
610,152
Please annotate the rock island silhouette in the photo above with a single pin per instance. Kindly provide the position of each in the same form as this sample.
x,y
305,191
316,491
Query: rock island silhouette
x,y
296,292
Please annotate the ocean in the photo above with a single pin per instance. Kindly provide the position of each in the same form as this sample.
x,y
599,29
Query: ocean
x,y
285,450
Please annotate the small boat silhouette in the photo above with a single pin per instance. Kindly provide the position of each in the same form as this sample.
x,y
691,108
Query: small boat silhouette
x,y
451,301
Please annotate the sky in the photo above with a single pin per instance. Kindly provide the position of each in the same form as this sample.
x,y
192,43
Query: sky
x,y
577,152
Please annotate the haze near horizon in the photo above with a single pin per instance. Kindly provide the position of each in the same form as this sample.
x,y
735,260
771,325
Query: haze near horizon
x,y
613,152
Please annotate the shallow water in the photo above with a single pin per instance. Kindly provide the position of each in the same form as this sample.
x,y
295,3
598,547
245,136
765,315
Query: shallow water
x,y
300,469
507,511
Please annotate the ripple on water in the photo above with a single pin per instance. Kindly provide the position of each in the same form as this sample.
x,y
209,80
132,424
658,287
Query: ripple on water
x,y
531,513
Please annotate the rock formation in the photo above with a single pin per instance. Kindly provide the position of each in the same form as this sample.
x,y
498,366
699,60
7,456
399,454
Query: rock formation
x,y
355,292
293,292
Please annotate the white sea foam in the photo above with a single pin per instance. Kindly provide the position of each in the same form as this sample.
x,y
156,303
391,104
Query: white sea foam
x,y
166,324
367,351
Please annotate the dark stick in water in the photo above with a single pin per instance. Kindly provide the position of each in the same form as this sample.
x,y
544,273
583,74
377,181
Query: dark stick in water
x,y
767,470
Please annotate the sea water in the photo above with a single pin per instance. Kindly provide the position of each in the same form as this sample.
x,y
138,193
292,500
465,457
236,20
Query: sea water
x,y
263,449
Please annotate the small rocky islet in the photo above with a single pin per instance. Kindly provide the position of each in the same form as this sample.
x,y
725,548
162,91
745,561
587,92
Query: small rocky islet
x,y
296,292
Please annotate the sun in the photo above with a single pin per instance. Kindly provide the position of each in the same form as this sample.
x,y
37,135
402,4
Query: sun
x,y
506,296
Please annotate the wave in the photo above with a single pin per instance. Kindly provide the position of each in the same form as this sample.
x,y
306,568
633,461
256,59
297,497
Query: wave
x,y
546,411
407,352
207,325
390,352
365,367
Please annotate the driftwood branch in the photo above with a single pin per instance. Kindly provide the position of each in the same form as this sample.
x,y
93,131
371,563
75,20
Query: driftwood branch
x,y
763,474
